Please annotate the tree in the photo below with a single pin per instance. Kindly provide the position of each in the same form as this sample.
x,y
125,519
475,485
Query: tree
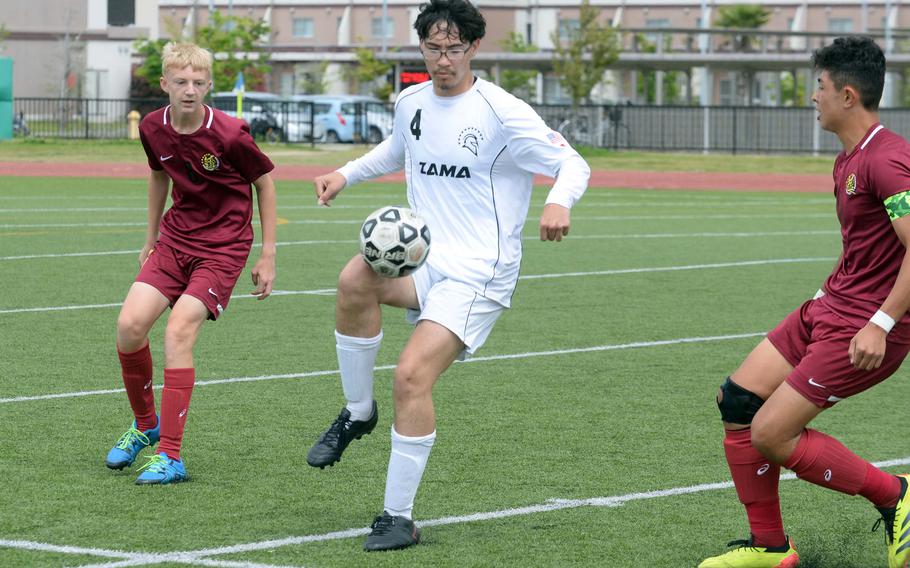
x,y
371,71
313,80
743,16
590,49
150,69
236,42
518,82
647,86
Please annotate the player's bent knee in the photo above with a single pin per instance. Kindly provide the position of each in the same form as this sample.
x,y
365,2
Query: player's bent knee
x,y
130,328
737,405
409,383
355,278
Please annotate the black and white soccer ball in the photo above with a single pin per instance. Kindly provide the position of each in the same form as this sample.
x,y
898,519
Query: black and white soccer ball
x,y
394,241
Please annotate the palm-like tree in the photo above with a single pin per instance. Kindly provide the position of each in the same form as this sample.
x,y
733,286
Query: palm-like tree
x,y
742,16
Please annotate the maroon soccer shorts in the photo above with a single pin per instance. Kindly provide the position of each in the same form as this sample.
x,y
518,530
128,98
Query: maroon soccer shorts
x,y
174,273
816,341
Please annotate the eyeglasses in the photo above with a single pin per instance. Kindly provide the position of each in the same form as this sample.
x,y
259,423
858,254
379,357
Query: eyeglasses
x,y
453,55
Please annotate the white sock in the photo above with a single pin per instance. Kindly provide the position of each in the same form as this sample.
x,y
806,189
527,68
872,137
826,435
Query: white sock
x,y
356,359
406,464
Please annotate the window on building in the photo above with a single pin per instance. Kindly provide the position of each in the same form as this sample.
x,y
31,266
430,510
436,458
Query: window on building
x,y
302,27
656,23
840,25
389,31
725,90
121,12
567,27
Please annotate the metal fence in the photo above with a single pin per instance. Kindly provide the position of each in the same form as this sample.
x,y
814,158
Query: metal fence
x,y
270,119
689,128
720,129
80,118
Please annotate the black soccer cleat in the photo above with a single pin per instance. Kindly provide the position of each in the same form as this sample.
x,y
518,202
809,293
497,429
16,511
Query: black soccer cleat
x,y
391,533
328,448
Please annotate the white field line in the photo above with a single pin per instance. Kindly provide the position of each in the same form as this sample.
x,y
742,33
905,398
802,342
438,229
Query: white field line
x,y
202,556
615,236
322,292
140,198
315,206
331,291
506,356
359,221
675,268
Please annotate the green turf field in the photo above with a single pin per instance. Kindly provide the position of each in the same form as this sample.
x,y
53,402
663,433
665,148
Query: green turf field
x,y
44,149
583,434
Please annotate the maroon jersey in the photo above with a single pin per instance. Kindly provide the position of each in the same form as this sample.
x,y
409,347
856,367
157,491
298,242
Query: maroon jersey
x,y
877,168
212,169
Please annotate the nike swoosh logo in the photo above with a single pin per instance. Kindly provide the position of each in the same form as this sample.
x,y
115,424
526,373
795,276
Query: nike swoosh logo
x,y
182,413
814,384
212,293
166,158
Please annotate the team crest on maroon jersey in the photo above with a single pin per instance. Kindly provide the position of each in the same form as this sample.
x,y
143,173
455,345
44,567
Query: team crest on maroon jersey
x,y
851,184
210,162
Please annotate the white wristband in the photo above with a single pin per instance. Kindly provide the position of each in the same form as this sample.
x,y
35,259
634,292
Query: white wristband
x,y
882,320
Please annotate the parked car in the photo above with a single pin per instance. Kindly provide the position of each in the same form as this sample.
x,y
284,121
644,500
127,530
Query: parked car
x,y
350,118
271,118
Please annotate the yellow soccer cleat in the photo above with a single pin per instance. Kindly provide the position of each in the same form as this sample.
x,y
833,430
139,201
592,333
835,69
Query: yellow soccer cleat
x,y
746,555
897,527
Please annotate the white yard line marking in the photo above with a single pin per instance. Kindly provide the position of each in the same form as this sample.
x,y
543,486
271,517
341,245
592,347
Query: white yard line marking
x,y
358,221
321,292
202,556
676,268
615,236
526,355
331,291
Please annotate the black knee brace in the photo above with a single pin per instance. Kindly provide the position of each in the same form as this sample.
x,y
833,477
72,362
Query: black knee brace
x,y
738,406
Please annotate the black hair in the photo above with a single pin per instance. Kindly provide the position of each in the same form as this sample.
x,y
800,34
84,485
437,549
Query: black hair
x,y
856,61
454,14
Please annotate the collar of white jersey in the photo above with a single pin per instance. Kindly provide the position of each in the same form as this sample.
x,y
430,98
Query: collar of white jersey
x,y
207,122
454,99
869,138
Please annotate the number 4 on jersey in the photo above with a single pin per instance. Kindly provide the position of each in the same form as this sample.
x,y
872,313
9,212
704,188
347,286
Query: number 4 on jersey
x,y
415,125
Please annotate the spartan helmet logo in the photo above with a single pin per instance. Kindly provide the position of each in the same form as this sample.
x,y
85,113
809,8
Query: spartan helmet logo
x,y
470,139
470,142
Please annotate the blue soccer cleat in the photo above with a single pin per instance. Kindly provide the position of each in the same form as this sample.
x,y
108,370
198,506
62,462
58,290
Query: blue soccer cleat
x,y
161,470
127,448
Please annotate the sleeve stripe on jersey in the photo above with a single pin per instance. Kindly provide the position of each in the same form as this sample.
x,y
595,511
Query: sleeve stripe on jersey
x,y
898,205
493,110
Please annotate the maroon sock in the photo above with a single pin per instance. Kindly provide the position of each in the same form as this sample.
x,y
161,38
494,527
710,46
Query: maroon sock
x,y
175,403
822,460
756,479
137,370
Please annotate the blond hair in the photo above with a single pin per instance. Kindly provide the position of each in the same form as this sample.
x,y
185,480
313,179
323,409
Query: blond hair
x,y
180,55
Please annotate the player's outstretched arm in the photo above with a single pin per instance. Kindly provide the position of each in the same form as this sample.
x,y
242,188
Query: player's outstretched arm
x,y
867,348
264,269
554,222
158,186
328,186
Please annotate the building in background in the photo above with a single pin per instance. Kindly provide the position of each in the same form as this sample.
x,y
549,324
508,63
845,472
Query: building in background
x,y
84,47
74,48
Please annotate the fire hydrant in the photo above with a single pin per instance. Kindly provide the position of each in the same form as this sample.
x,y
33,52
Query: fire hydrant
x,y
133,120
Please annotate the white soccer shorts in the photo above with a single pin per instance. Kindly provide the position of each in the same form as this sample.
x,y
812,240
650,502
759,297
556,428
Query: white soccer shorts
x,y
455,306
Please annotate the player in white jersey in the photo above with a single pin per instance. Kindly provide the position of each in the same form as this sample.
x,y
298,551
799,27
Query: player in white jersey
x,y
469,150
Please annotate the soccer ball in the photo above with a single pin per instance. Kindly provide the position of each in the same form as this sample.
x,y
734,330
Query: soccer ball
x,y
394,241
